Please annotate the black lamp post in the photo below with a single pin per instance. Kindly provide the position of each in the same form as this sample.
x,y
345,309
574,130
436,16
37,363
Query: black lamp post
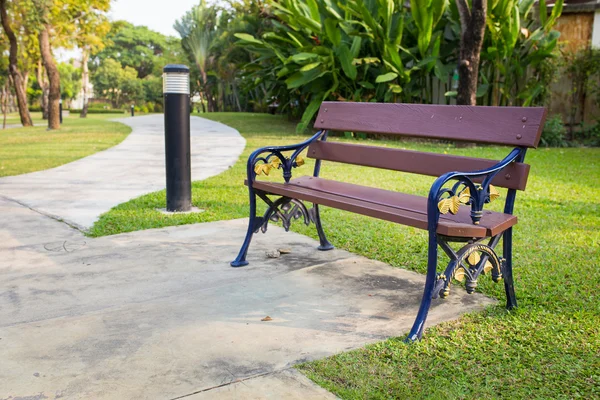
x,y
176,94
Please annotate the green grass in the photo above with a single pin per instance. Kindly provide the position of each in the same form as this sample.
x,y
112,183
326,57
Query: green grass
x,y
30,149
548,348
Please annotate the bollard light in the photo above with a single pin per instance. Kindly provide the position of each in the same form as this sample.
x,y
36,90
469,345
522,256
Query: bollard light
x,y
60,110
132,110
176,95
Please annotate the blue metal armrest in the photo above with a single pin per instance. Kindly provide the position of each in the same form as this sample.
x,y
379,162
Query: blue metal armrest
x,y
465,191
275,158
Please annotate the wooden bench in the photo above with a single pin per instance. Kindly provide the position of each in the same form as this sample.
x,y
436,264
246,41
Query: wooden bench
x,y
453,212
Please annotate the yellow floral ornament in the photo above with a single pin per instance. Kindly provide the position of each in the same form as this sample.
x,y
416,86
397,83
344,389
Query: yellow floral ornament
x,y
494,194
262,169
459,274
452,204
474,259
274,164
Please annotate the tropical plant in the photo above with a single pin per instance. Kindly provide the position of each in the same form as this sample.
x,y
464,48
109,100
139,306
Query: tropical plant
x,y
516,49
583,69
197,29
554,133
334,49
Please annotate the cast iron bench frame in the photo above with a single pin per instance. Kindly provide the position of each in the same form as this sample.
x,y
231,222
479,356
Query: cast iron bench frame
x,y
440,213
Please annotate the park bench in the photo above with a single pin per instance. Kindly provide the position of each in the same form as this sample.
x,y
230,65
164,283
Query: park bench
x,y
453,212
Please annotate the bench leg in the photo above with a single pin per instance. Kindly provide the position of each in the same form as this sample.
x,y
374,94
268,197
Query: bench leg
x,y
240,260
417,330
509,287
325,245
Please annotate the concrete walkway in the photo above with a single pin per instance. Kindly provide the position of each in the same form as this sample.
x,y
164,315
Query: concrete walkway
x,y
159,314
80,191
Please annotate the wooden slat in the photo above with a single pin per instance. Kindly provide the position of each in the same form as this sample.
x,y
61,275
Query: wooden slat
x,y
512,126
514,176
390,206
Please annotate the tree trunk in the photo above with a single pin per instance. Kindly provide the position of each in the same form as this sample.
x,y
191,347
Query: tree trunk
x,y
207,92
201,94
44,86
236,97
13,67
53,78
209,100
85,79
472,23
5,91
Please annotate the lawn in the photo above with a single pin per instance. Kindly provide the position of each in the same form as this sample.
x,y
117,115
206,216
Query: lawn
x,y
547,348
24,150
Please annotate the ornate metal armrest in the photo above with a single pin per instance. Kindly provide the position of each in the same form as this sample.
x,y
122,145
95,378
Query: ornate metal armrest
x,y
257,163
443,200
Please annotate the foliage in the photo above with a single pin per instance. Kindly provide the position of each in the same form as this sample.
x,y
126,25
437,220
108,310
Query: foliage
x,y
378,50
548,348
554,133
334,50
590,134
583,68
517,52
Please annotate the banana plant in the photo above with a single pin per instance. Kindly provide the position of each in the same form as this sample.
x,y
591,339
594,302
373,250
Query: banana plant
x,y
334,49
426,14
513,49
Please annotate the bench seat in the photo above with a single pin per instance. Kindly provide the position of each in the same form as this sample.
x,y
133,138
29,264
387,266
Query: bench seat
x,y
396,207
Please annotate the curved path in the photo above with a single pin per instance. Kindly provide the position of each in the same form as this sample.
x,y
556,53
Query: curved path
x,y
79,192
160,314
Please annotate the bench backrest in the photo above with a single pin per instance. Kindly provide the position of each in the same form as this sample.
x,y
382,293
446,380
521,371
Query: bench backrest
x,y
510,126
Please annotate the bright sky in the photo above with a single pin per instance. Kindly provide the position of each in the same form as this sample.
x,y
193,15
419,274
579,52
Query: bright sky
x,y
158,15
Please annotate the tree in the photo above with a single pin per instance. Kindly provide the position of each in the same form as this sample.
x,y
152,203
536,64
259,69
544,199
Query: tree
x,y
89,36
117,83
134,46
197,30
107,80
53,78
472,21
15,73
131,88
4,81
70,81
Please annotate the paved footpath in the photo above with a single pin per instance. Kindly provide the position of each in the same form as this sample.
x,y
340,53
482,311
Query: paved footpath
x,y
159,314
80,191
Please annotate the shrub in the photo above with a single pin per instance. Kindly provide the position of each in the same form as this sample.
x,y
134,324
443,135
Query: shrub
x,y
97,111
99,105
590,134
554,132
